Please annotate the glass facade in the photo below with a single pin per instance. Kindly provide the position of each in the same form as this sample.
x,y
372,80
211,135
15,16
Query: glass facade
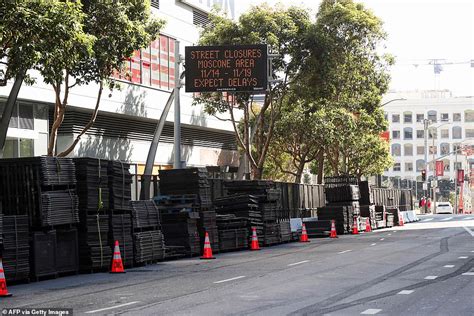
x,y
152,66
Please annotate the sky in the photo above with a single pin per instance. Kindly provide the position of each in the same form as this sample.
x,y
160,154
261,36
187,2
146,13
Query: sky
x,y
418,32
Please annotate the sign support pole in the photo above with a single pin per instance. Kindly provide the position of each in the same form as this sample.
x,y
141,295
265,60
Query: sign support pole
x,y
177,110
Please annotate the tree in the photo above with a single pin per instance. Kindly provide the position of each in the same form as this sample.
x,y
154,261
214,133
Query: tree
x,y
117,29
284,31
301,135
30,31
346,76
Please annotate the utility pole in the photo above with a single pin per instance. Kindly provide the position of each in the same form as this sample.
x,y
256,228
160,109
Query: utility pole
x,y
435,177
456,181
425,183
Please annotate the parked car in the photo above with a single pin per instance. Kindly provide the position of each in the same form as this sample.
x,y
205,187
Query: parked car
x,y
444,207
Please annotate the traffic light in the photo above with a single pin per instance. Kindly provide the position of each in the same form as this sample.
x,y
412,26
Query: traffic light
x,y
423,175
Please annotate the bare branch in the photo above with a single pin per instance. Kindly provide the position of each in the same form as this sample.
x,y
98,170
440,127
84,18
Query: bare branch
x,y
88,125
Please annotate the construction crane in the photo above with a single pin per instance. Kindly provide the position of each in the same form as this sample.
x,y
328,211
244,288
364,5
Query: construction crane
x,y
438,65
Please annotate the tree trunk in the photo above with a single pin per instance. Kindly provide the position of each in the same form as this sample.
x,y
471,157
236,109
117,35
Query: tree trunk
x,y
257,173
320,167
7,112
88,125
299,171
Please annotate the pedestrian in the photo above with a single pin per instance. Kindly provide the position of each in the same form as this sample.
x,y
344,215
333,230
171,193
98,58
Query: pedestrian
x,y
429,204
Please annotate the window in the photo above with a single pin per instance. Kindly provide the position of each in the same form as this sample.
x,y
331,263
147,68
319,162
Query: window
x,y
444,117
22,116
385,116
396,150
155,3
444,148
407,133
469,116
456,117
395,134
407,117
21,147
420,150
152,66
433,150
200,19
432,133
432,116
420,118
408,149
396,166
457,165
456,146
420,133
420,164
445,133
395,118
408,166
457,132
469,133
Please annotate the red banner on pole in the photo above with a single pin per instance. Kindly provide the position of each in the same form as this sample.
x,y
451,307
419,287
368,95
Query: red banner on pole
x,y
439,168
460,176
386,136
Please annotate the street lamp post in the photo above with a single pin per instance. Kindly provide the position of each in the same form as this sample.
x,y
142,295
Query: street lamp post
x,y
426,124
425,183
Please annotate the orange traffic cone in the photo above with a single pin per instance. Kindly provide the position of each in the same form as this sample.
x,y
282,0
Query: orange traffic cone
x,y
333,230
368,228
355,229
3,282
254,244
400,219
304,235
207,249
117,266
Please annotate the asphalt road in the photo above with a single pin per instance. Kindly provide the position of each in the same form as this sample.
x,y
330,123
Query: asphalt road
x,y
423,268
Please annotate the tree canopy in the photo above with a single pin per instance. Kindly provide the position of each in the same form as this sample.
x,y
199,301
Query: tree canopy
x,y
283,30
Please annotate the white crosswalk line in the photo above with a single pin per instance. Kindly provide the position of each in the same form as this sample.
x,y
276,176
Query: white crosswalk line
x,y
468,218
447,219
427,220
405,292
468,273
449,266
431,277
371,311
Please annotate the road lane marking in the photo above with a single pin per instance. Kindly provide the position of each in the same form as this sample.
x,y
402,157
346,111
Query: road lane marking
x,y
431,277
373,244
468,273
345,251
427,220
468,218
382,238
405,292
447,219
394,231
371,311
390,234
472,250
449,266
231,279
469,231
462,257
297,263
112,307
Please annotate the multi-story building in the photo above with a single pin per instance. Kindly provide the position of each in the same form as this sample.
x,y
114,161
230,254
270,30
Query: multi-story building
x,y
451,124
127,118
